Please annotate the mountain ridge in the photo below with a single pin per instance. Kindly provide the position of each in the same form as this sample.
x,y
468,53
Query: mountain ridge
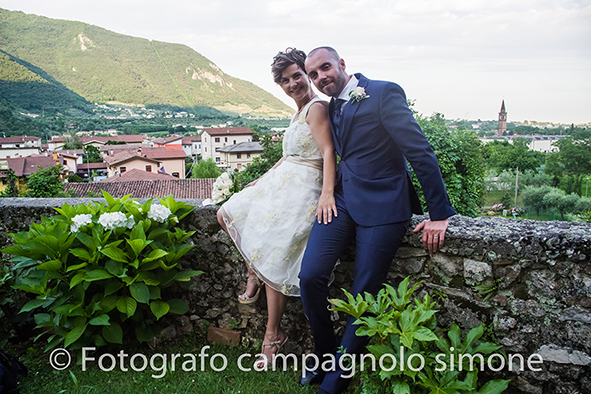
x,y
103,66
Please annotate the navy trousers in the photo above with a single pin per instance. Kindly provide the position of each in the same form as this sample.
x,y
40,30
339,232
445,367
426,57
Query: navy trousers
x,y
375,250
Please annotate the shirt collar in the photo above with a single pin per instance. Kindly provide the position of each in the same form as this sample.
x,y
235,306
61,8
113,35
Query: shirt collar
x,y
352,84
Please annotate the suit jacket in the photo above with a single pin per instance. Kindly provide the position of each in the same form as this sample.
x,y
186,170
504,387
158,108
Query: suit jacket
x,y
377,136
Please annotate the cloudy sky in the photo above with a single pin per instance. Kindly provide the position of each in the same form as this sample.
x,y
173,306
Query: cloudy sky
x,y
457,57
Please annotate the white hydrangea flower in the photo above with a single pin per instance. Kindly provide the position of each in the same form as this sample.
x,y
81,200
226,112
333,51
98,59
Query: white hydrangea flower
x,y
130,222
112,220
208,201
159,213
79,221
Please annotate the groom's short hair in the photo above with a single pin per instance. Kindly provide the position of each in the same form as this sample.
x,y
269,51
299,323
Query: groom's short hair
x,y
332,52
283,60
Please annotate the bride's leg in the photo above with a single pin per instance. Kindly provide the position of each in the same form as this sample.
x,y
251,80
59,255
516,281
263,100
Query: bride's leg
x,y
221,219
276,302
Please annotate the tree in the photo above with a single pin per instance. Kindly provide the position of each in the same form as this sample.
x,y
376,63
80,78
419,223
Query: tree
x,y
271,154
46,182
72,142
205,169
11,188
533,197
93,154
460,161
503,155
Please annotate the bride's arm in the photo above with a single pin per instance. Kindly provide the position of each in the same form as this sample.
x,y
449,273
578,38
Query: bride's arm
x,y
317,118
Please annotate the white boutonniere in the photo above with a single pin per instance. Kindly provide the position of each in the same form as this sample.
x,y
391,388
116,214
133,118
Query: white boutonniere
x,y
358,94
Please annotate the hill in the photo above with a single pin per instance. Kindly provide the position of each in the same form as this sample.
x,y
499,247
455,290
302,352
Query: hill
x,y
102,66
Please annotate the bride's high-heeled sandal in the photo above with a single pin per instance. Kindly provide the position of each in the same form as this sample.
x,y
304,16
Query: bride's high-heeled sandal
x,y
245,299
263,363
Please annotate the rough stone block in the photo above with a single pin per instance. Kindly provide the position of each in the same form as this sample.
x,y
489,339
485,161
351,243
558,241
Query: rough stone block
x,y
476,272
223,336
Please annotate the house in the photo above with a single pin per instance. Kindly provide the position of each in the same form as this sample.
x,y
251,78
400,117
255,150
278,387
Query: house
x,y
170,143
57,142
25,166
155,160
124,161
19,146
178,188
192,145
240,156
213,138
172,161
138,175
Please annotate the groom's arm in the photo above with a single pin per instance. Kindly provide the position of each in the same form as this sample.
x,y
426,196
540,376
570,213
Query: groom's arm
x,y
400,123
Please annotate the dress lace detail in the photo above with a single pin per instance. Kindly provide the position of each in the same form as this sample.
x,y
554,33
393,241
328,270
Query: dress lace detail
x,y
270,222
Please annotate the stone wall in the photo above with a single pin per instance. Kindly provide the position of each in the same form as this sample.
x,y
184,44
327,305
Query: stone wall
x,y
538,274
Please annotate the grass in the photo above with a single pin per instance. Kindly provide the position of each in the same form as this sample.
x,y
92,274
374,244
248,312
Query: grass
x,y
43,378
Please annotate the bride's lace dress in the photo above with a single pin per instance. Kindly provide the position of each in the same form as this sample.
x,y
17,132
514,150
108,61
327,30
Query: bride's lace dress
x,y
270,221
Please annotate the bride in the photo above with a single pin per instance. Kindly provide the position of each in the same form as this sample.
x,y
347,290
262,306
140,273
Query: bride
x,y
271,218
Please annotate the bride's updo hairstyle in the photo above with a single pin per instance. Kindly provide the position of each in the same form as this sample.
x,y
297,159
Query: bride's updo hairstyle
x,y
283,60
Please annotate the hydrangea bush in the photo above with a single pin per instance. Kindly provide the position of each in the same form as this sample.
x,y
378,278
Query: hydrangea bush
x,y
100,271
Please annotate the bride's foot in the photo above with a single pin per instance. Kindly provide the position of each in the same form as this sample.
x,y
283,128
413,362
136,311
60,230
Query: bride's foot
x,y
271,346
253,290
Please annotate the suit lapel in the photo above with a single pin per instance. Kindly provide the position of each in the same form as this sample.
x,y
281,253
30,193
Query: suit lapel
x,y
350,109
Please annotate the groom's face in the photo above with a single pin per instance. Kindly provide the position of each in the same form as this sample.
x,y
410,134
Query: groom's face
x,y
326,72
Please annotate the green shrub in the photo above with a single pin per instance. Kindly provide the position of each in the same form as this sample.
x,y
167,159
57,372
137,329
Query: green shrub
x,y
407,332
99,271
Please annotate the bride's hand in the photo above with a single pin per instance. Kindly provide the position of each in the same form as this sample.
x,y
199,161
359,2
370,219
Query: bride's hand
x,y
326,208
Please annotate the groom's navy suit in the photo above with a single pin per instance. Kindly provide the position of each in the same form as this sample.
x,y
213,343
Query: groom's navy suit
x,y
375,199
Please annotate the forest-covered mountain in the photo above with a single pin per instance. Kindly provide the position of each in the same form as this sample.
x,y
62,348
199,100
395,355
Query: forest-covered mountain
x,y
47,61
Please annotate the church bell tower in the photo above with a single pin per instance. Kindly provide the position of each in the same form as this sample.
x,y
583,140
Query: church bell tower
x,y
502,120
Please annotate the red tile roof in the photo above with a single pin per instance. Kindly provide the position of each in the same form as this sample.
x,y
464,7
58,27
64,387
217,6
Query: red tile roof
x,y
163,153
179,188
227,131
24,166
129,139
138,175
124,156
18,139
190,140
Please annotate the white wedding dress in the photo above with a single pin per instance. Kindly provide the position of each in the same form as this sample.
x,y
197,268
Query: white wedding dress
x,y
270,222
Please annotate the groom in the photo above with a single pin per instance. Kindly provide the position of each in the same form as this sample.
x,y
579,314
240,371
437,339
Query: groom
x,y
374,133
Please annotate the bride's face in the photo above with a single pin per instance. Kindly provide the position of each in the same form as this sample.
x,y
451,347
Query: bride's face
x,y
294,82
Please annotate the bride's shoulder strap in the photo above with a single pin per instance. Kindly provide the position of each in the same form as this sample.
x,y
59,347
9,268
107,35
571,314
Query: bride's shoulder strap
x,y
304,112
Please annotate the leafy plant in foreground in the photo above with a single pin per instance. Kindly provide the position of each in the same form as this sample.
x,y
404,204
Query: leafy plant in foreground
x,y
99,271
416,357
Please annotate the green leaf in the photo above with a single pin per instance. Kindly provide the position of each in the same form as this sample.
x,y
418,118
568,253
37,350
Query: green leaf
x,y
112,287
101,320
140,292
43,320
75,267
90,242
79,328
178,306
115,254
114,267
494,387
78,278
113,333
184,276
155,255
138,245
143,334
424,334
154,292
32,305
109,303
126,305
159,308
400,387
81,253
52,265
109,199
97,275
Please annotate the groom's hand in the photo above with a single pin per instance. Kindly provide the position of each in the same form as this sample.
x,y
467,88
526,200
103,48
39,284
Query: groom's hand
x,y
433,233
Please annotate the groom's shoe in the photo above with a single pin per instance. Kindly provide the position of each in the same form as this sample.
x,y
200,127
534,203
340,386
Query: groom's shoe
x,y
322,392
312,376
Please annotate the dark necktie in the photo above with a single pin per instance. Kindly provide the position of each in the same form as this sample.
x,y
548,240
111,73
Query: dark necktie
x,y
336,114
